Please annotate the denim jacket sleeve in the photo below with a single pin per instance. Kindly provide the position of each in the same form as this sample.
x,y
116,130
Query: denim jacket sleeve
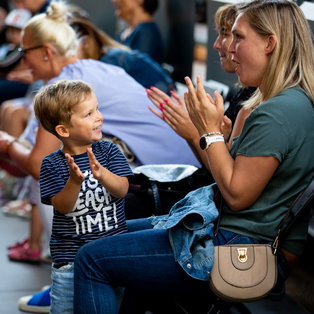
x,y
191,231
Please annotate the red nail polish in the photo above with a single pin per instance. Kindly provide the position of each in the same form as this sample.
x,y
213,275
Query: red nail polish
x,y
166,101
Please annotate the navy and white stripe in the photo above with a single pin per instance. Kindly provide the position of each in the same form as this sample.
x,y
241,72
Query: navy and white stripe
x,y
96,214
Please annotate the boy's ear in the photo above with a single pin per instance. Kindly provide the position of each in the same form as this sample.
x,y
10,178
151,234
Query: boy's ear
x,y
62,130
271,44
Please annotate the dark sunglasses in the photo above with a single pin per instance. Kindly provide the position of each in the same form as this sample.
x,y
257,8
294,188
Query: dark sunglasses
x,y
24,51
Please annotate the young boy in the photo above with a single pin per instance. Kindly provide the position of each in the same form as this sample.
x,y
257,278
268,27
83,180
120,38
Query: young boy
x,y
85,180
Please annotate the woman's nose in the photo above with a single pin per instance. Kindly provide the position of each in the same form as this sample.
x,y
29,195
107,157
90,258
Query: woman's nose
x,y
217,43
231,48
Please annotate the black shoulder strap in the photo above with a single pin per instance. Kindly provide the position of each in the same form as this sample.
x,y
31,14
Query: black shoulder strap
x,y
301,204
298,206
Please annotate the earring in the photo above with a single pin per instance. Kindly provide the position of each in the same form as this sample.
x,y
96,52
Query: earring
x,y
46,58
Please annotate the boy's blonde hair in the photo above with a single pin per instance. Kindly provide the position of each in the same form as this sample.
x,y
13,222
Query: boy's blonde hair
x,y
225,17
54,103
292,61
52,28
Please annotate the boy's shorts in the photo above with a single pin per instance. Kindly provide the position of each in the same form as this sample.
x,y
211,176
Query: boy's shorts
x,y
62,289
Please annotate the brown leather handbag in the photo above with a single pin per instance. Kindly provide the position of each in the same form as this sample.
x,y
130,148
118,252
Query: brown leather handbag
x,y
248,272
243,272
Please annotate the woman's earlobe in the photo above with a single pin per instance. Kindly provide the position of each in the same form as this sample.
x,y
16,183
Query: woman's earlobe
x,y
48,50
271,44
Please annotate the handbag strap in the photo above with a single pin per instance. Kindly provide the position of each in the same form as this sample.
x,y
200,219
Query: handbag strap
x,y
218,201
300,204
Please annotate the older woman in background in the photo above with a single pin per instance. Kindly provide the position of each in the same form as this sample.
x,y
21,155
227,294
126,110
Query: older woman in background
x,y
141,33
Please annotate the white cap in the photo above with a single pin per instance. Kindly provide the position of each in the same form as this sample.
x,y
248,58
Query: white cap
x,y
18,18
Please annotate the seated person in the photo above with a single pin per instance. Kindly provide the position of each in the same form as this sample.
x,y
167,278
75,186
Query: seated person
x,y
259,178
122,101
14,23
141,33
10,57
173,109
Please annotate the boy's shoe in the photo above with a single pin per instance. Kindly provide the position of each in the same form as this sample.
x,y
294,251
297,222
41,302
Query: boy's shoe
x,y
24,254
36,303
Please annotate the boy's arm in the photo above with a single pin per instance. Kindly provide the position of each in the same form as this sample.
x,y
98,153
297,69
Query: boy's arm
x,y
65,200
114,184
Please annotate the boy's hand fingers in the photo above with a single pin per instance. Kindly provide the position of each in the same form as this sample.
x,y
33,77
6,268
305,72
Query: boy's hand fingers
x,y
69,159
90,154
94,164
74,169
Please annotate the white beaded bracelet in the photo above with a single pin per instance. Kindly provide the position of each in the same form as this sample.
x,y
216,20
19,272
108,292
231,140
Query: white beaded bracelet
x,y
212,133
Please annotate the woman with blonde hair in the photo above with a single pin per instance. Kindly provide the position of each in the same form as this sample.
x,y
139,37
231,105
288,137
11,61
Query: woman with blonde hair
x,y
173,110
269,164
49,46
276,138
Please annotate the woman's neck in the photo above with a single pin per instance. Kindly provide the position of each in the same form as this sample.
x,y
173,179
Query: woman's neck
x,y
140,16
68,60
62,62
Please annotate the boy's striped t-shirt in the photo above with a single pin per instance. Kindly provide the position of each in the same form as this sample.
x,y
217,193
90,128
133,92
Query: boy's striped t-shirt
x,y
96,213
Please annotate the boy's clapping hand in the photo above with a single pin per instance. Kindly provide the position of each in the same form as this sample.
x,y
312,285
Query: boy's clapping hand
x,y
75,172
94,164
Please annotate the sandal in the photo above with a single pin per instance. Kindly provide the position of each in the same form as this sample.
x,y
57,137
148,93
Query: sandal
x,y
24,254
17,244
20,208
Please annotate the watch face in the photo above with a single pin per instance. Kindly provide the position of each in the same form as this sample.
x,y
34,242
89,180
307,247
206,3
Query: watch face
x,y
203,142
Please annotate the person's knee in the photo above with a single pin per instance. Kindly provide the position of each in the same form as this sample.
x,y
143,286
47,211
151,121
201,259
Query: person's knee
x,y
6,104
5,108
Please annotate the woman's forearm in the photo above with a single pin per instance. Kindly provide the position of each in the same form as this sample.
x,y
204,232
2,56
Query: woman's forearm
x,y
240,180
12,168
29,159
20,155
221,166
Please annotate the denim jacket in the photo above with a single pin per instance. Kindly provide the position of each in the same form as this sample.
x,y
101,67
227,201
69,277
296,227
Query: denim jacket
x,y
191,231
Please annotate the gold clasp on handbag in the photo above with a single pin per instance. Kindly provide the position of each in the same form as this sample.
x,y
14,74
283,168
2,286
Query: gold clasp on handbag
x,y
275,244
242,255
